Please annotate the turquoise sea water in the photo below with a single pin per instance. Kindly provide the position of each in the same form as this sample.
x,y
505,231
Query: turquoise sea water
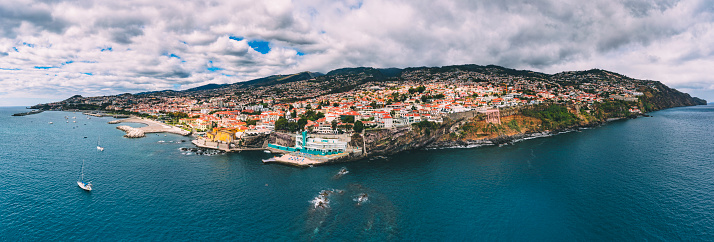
x,y
642,179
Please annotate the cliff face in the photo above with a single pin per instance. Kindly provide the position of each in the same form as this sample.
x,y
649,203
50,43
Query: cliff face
x,y
282,139
256,141
528,122
392,141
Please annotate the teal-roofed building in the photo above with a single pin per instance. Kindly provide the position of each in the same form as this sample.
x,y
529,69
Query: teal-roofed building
x,y
314,145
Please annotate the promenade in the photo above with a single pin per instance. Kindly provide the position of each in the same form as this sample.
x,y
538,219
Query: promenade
x,y
152,127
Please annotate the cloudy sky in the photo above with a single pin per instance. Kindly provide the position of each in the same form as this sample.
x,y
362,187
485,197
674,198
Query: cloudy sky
x,y
52,49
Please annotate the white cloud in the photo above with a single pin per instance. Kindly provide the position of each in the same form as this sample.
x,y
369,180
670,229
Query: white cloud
x,y
110,47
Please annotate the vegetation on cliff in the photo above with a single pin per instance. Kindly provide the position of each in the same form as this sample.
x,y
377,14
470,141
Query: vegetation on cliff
x,y
658,96
552,116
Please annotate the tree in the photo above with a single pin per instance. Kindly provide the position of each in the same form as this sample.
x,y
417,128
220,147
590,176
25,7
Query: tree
x,y
251,122
301,123
281,124
359,126
334,124
335,104
420,89
292,126
348,119
293,114
373,104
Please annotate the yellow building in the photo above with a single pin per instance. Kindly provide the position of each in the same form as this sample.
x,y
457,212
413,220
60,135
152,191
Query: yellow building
x,y
222,135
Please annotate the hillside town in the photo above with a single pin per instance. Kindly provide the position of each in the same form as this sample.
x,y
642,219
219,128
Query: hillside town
x,y
226,116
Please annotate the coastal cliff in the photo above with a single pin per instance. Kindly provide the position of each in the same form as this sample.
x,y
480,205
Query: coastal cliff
x,y
523,123
392,141
660,96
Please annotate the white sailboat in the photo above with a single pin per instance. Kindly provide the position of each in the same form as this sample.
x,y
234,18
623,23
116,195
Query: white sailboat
x,y
86,186
99,148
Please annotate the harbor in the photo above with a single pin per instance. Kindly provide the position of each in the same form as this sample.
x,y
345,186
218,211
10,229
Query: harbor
x,y
298,149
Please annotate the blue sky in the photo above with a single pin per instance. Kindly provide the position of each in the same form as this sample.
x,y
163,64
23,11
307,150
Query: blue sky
x,y
48,51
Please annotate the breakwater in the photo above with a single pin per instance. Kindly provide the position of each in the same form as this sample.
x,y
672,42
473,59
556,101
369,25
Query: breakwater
x,y
131,132
28,113
152,127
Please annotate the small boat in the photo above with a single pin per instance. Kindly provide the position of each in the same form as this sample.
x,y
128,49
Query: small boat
x,y
85,186
51,122
361,198
343,171
74,121
99,148
267,151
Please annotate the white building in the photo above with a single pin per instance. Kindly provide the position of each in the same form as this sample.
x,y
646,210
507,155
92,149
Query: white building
x,y
315,145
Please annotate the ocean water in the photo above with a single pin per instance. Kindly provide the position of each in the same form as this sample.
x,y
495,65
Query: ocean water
x,y
642,179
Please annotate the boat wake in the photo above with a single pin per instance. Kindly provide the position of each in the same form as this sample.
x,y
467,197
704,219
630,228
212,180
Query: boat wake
x,y
369,211
322,200
361,198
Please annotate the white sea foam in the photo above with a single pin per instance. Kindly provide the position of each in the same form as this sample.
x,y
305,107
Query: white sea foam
x,y
361,198
321,201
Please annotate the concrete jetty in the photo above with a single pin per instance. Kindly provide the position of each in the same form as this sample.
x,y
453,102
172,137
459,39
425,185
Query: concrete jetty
x,y
294,160
152,127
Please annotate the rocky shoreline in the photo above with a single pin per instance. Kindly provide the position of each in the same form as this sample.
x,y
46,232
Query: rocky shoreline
x,y
395,140
510,139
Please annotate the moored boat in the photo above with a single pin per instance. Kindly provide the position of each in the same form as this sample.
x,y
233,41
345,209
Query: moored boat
x,y
87,186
